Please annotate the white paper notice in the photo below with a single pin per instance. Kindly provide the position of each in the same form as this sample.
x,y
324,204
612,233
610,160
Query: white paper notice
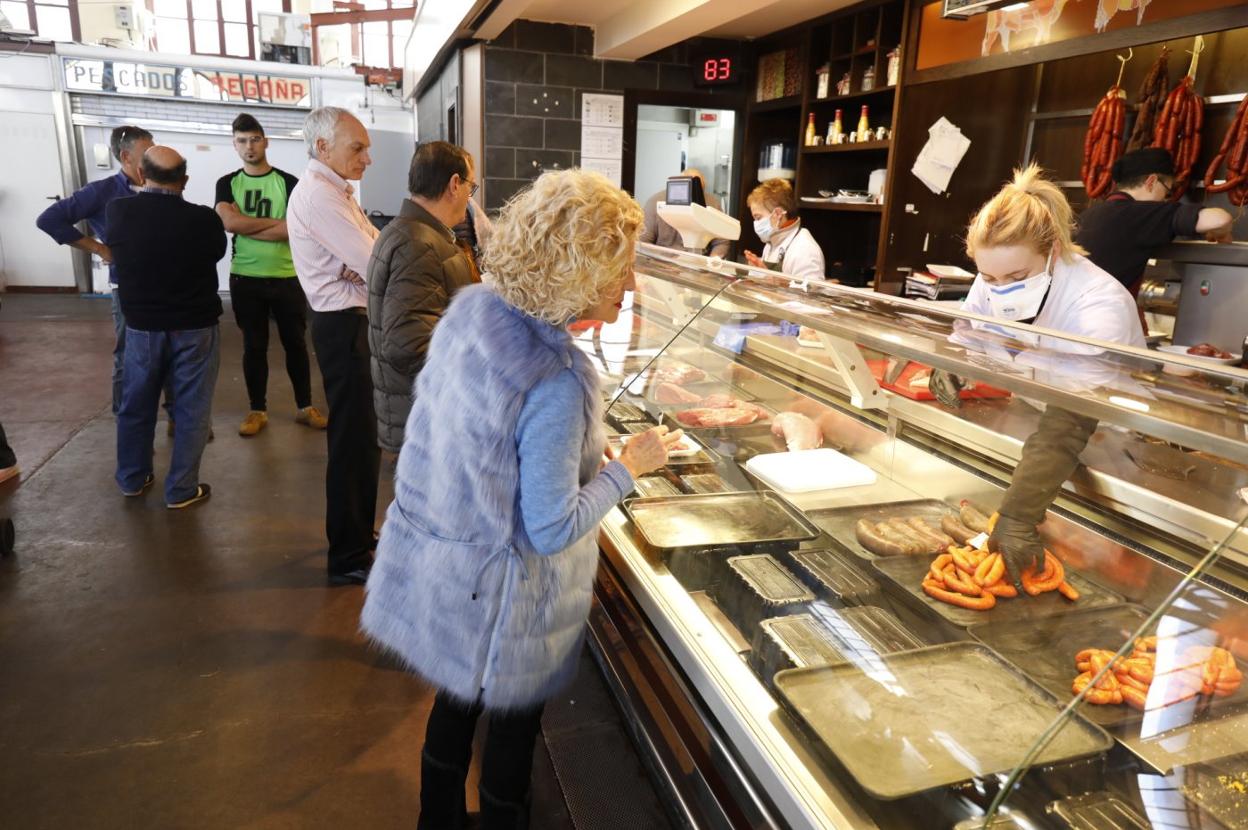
x,y
611,168
602,134
602,142
602,110
941,155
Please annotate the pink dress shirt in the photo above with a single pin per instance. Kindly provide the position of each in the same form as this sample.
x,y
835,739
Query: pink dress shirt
x,y
329,233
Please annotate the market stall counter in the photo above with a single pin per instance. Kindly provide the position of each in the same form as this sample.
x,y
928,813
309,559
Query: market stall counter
x,y
803,614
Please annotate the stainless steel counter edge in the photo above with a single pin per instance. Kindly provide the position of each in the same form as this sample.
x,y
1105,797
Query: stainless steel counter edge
x,y
1206,253
752,721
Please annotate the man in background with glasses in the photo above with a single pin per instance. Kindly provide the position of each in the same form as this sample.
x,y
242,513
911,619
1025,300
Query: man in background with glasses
x,y
1123,232
251,202
89,204
416,268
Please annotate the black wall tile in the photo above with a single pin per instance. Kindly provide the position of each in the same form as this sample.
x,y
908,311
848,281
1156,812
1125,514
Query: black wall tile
x,y
500,163
556,38
630,75
570,70
532,163
675,78
500,98
544,101
498,191
563,135
584,42
512,65
513,131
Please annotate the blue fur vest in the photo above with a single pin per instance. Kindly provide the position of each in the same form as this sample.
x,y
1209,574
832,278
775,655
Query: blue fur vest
x,y
457,590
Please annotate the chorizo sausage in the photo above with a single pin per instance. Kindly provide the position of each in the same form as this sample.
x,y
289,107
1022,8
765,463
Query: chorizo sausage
x,y
973,518
979,603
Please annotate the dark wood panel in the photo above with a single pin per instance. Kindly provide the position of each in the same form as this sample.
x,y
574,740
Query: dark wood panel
x,y
1057,146
997,133
1079,82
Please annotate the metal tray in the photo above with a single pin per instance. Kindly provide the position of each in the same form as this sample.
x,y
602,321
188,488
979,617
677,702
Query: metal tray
x,y
892,738
1047,653
839,523
1216,788
626,412
654,486
717,520
907,572
832,574
1097,811
705,483
867,631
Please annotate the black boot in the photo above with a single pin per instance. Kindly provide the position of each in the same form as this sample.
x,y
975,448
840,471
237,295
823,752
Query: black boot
x,y
443,805
497,814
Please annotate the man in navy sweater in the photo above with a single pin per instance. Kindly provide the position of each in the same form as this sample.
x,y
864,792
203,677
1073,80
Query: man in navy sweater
x,y
89,203
165,253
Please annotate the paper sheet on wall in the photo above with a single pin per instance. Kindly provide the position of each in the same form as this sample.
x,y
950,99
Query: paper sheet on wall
x,y
602,142
611,168
941,155
602,134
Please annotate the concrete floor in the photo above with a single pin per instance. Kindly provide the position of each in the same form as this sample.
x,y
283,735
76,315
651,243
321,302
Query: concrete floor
x,y
192,669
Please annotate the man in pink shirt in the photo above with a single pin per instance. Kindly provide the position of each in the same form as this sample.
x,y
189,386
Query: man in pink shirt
x,y
330,241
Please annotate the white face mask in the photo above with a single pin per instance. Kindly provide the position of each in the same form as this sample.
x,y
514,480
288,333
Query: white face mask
x,y
762,227
1020,301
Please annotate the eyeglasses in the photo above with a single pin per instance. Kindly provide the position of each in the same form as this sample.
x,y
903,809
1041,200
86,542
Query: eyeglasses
x,y
473,187
1169,188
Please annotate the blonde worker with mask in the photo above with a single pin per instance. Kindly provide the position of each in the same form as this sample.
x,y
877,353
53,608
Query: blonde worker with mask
x,y
1031,271
788,247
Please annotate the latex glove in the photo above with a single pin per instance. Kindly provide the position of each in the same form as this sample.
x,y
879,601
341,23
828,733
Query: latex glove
x,y
1050,456
947,387
1019,544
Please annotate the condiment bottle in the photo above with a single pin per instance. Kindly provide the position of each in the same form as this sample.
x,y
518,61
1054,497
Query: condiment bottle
x,y
894,66
864,125
810,130
836,130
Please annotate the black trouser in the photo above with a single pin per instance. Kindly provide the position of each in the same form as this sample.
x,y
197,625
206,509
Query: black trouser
x,y
341,342
8,458
506,765
255,300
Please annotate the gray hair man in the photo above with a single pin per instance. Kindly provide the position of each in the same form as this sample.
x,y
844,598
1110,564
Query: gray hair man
x,y
330,241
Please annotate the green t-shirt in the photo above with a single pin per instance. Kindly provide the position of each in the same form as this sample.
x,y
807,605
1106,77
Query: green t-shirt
x,y
264,197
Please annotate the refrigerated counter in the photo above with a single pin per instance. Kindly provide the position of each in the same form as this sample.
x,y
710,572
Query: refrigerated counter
x,y
783,618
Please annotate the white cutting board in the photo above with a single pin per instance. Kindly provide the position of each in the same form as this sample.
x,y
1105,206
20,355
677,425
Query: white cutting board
x,y
805,471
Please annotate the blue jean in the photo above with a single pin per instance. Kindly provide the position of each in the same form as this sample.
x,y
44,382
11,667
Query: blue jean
x,y
187,362
119,356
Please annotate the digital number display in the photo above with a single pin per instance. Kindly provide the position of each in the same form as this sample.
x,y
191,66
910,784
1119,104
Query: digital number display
x,y
716,69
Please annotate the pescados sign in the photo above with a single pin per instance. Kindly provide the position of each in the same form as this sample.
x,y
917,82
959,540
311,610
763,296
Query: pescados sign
x,y
192,83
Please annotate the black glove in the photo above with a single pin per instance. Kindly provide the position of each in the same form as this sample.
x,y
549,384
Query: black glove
x,y
1019,544
1050,456
947,387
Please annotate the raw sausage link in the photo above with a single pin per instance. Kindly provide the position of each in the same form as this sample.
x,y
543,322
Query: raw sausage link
x,y
980,603
867,536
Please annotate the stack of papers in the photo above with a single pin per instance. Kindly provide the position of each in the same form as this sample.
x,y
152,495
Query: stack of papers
x,y
940,156
940,282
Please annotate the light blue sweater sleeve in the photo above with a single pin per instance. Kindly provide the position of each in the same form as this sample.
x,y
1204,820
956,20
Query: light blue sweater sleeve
x,y
555,508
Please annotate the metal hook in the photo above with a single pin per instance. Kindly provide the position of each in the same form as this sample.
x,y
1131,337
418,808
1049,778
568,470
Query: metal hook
x,y
1122,64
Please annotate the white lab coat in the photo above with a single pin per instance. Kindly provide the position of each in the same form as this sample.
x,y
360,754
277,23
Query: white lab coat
x,y
1083,300
798,253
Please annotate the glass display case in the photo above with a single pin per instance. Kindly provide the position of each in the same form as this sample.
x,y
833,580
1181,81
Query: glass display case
x,y
802,614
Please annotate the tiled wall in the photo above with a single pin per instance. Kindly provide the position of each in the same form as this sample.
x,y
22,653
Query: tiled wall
x,y
535,74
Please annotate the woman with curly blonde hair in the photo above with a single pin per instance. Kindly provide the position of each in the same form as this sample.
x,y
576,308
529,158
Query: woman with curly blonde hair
x,y
487,556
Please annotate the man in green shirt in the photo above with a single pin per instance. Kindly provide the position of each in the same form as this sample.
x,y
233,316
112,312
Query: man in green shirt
x,y
252,204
